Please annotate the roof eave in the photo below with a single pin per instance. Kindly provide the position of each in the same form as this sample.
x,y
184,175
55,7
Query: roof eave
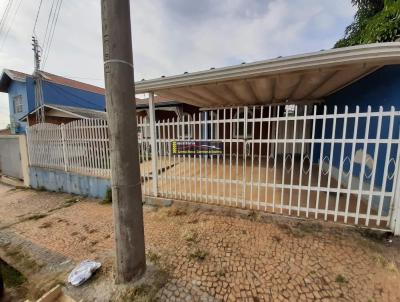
x,y
51,107
371,53
6,78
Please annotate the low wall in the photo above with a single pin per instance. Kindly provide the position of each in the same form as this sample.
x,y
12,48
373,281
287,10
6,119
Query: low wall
x,y
61,181
14,157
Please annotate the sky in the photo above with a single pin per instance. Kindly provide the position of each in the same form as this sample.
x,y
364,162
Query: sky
x,y
170,36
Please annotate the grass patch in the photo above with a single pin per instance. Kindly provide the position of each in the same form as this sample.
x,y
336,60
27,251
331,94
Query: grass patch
x,y
153,257
192,237
254,215
373,235
108,196
385,263
341,279
70,202
198,255
24,260
11,277
221,272
147,291
284,227
175,211
309,228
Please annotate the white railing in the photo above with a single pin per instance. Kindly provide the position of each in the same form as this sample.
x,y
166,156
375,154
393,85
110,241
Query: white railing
x,y
307,161
81,146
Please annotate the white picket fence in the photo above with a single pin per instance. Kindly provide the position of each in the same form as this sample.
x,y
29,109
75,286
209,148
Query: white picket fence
x,y
292,160
81,146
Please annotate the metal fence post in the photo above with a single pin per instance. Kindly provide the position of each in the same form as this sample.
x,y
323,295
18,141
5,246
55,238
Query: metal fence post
x,y
395,218
153,144
64,147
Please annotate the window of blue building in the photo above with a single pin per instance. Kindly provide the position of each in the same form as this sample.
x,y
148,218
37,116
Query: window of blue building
x,y
17,103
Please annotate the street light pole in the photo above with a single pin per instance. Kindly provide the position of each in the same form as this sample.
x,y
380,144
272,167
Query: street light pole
x,y
121,113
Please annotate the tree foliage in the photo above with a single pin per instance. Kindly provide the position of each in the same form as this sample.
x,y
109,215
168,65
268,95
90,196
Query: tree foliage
x,y
374,21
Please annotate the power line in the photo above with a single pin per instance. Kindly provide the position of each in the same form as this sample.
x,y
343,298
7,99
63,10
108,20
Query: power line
x,y
5,15
50,21
37,16
47,25
11,23
57,13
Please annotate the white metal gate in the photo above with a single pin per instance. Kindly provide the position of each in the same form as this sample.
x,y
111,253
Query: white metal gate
x,y
308,161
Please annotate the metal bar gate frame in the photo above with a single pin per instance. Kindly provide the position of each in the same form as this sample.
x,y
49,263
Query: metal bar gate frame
x,y
285,159
304,161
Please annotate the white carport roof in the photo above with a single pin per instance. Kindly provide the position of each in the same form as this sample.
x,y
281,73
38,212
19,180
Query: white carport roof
x,y
305,77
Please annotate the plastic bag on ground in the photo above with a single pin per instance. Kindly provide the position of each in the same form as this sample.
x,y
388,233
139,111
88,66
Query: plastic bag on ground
x,y
83,271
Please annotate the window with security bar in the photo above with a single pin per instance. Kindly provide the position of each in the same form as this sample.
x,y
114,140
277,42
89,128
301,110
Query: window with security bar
x,y
17,103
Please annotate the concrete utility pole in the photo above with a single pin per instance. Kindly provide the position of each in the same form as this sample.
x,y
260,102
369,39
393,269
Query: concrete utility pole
x,y
1,284
38,81
121,112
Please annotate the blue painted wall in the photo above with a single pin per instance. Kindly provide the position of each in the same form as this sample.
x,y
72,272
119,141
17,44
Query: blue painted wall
x,y
19,88
381,88
52,94
64,95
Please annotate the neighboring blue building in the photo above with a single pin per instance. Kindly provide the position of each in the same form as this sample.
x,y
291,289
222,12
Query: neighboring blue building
x,y
380,88
56,91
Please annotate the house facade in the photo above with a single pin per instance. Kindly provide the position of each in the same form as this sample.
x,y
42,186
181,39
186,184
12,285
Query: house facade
x,y
66,100
57,90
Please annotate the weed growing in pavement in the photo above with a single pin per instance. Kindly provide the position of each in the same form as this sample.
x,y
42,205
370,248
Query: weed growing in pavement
x,y
175,211
198,255
70,202
221,272
108,196
12,277
192,237
146,291
153,257
341,279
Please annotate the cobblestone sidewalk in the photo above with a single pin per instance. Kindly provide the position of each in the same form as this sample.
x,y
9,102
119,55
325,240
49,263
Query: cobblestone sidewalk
x,y
212,257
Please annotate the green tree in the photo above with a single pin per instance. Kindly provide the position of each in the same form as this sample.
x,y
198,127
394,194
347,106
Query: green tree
x,y
375,21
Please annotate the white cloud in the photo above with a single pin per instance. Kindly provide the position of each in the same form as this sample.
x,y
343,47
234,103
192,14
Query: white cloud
x,y
173,36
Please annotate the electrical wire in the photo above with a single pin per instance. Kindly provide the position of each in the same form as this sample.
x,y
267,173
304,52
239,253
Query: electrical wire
x,y
50,23
11,23
5,15
37,16
57,13
52,30
47,25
